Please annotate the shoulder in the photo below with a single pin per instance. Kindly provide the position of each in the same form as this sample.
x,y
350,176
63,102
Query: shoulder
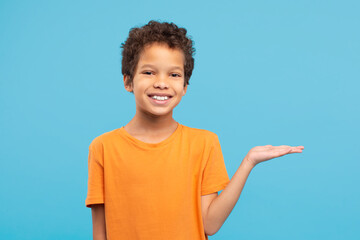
x,y
98,142
197,133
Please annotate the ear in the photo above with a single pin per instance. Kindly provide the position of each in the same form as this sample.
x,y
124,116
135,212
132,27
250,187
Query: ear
x,y
128,87
185,89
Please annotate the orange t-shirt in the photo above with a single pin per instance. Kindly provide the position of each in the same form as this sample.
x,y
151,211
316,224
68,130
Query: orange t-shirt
x,y
153,190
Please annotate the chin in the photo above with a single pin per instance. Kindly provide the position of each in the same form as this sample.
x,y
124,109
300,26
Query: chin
x,y
157,114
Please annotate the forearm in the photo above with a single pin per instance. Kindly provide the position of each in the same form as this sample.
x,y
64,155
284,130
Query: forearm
x,y
99,235
99,225
221,207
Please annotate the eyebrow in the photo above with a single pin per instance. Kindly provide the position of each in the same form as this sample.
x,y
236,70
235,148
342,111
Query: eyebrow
x,y
152,66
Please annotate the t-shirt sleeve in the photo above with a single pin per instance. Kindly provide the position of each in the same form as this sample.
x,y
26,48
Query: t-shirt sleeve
x,y
215,176
95,193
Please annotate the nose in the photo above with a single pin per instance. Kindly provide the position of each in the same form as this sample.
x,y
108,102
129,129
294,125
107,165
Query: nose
x,y
160,82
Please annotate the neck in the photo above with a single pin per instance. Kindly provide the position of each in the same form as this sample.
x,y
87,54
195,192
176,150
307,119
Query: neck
x,y
145,123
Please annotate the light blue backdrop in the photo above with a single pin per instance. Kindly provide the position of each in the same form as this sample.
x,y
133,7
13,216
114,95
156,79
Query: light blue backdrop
x,y
266,72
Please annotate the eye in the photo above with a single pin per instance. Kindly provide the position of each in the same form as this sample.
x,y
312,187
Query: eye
x,y
175,75
147,72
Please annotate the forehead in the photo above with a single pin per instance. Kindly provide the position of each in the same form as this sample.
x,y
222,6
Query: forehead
x,y
161,54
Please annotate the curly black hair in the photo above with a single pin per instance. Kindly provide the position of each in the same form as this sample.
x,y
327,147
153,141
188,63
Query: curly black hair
x,y
159,32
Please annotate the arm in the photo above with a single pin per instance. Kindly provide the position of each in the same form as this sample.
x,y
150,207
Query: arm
x,y
98,218
221,206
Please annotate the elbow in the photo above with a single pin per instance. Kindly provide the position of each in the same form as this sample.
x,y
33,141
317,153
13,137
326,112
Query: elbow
x,y
209,234
211,231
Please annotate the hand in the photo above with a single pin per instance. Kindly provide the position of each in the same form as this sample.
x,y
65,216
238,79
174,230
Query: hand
x,y
263,153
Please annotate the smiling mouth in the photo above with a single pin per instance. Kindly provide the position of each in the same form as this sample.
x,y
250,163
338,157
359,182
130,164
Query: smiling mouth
x,y
159,98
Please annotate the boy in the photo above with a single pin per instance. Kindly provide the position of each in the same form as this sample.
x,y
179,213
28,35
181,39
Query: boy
x,y
155,178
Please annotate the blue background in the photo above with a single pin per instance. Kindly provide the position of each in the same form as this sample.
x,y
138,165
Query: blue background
x,y
266,72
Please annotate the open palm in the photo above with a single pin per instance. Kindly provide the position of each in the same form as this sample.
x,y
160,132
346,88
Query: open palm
x,y
263,153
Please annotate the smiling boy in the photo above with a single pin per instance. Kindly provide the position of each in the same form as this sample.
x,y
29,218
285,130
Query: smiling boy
x,y
155,178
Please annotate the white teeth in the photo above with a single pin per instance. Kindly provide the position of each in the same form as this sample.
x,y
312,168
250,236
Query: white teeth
x,y
160,98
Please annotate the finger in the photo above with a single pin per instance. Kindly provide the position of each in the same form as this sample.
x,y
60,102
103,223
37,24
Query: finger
x,y
284,147
292,147
280,151
299,147
288,150
296,150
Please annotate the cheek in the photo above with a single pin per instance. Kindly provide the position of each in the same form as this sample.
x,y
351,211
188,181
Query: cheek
x,y
178,85
138,87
